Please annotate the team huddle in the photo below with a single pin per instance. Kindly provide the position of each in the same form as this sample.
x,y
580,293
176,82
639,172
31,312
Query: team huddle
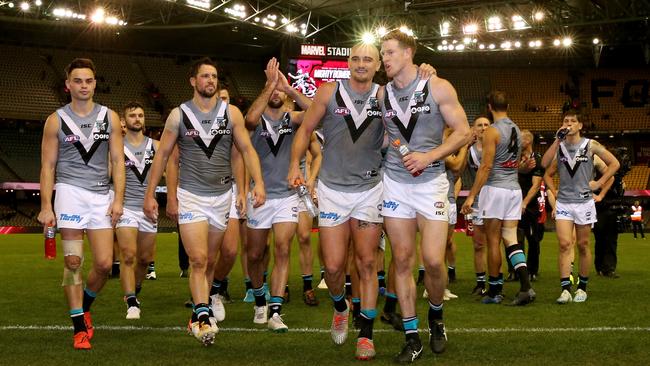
x,y
388,161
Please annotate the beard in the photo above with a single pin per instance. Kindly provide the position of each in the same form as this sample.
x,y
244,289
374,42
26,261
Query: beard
x,y
134,128
207,94
275,104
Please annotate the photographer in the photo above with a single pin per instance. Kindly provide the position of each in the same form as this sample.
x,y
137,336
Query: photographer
x,y
609,210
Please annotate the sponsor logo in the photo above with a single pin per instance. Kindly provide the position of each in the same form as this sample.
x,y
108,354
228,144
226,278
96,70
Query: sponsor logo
x,y
294,215
582,159
101,136
206,122
129,163
421,109
217,131
341,111
185,216
370,173
588,214
253,222
373,113
561,213
192,133
329,216
439,213
265,134
391,205
284,131
435,164
225,180
439,204
227,215
86,125
359,101
403,99
72,138
379,207
390,113
148,161
511,164
72,218
294,209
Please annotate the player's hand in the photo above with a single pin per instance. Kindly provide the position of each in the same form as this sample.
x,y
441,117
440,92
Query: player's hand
x,y
594,185
258,195
426,71
150,208
240,204
283,84
467,206
172,208
271,72
311,185
115,212
416,161
524,204
294,177
597,198
46,217
553,213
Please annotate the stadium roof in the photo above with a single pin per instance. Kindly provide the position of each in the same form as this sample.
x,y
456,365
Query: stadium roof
x,y
257,27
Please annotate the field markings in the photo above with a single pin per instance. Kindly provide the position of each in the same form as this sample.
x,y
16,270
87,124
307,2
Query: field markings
x,y
130,328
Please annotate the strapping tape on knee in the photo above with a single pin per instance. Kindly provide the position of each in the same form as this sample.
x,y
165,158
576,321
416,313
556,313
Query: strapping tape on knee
x,y
72,248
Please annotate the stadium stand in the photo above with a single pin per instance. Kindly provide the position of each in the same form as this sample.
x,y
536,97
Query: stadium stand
x,y
637,178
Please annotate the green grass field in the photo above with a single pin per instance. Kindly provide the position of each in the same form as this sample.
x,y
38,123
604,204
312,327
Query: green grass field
x,y
611,328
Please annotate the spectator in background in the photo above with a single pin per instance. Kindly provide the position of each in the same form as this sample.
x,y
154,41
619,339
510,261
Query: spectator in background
x,y
637,219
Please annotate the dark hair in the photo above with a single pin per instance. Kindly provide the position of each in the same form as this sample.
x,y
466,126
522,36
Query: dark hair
x,y
573,112
404,40
196,65
132,105
79,63
498,101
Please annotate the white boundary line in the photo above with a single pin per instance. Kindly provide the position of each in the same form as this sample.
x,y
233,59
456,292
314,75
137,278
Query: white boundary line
x,y
130,328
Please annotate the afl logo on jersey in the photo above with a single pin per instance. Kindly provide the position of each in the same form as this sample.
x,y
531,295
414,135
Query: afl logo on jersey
x,y
390,113
71,138
192,133
341,111
129,163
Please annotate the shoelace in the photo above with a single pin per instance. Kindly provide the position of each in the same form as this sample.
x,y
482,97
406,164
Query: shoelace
x,y
339,320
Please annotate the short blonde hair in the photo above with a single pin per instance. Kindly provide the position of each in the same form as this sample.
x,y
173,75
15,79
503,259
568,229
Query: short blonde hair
x,y
404,40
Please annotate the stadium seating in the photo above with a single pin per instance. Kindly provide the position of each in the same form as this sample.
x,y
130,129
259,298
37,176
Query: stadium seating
x,y
637,178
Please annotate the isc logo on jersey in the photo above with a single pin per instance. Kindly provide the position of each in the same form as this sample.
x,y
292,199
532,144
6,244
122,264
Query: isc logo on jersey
x,y
72,139
426,109
341,111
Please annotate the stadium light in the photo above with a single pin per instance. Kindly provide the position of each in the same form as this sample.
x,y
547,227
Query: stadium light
x,y
98,16
467,40
237,11
11,5
491,46
595,41
567,42
445,28
470,28
368,38
38,3
460,47
531,44
506,45
406,30
481,46
556,42
201,4
538,15
519,23
538,43
24,6
517,44
495,24
381,31
291,28
439,47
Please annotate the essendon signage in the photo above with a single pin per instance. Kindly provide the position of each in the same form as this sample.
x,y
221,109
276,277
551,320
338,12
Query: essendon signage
x,y
316,50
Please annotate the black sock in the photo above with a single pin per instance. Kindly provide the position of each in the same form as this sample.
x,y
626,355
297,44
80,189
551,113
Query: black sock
x,y
194,318
411,329
391,302
202,312
348,285
89,297
266,273
260,296
493,286
340,304
322,273
356,307
451,273
132,300
306,282
275,305
500,283
381,278
151,267
224,286
77,317
517,259
480,279
582,284
435,313
367,317
565,282
248,284
216,287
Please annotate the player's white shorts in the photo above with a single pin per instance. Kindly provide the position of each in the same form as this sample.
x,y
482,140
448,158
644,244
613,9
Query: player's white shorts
x,y
500,203
338,207
452,214
193,208
234,213
580,213
476,217
428,199
79,208
137,219
273,211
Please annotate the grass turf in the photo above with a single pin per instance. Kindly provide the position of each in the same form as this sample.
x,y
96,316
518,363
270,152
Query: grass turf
x,y
611,328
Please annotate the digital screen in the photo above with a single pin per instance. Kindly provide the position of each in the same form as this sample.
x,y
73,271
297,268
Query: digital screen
x,y
306,75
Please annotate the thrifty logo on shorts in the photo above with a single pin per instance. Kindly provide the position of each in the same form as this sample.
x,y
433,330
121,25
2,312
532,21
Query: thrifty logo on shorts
x,y
73,218
329,216
185,216
253,222
391,205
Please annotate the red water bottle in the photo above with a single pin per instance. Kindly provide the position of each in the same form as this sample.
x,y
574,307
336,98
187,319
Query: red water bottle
x,y
404,150
50,242
469,225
